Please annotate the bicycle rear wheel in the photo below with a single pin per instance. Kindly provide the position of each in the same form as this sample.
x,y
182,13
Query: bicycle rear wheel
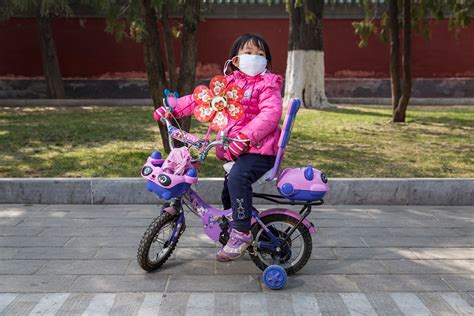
x,y
296,251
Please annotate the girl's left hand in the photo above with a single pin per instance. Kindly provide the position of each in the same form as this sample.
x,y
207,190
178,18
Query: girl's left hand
x,y
235,149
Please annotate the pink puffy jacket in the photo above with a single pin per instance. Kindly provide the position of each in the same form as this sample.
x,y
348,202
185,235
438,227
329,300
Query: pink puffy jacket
x,y
262,107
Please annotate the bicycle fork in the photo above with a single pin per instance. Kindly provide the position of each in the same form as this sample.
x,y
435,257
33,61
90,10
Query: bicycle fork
x,y
176,208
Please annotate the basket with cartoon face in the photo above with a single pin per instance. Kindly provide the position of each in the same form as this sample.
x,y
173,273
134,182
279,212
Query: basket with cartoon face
x,y
302,184
164,184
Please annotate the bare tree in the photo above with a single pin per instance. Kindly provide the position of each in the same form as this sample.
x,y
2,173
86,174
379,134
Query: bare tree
x,y
400,109
150,39
141,17
414,14
168,34
44,11
187,72
305,65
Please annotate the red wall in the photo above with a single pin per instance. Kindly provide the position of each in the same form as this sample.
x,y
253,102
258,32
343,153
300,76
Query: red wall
x,y
88,52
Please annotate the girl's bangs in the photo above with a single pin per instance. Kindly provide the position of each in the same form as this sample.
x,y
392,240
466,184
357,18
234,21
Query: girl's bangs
x,y
254,41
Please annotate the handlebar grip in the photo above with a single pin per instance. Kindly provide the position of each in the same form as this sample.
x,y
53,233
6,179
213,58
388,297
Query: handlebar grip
x,y
237,140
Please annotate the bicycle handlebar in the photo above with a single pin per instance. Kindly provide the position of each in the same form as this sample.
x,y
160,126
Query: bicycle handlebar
x,y
202,145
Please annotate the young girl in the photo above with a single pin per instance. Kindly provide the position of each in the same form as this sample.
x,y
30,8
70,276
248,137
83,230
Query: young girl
x,y
250,61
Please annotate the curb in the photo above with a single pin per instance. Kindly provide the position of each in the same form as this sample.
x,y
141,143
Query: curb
x,y
146,102
413,101
343,191
74,102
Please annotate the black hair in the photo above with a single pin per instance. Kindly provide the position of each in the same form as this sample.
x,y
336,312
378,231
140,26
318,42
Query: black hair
x,y
256,40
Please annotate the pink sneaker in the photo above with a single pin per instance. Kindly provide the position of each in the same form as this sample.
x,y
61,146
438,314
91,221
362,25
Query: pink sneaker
x,y
235,246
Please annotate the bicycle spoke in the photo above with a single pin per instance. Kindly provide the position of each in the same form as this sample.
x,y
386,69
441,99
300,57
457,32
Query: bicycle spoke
x,y
280,230
296,237
157,248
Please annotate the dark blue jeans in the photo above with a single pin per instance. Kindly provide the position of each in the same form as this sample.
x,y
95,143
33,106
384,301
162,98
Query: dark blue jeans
x,y
237,192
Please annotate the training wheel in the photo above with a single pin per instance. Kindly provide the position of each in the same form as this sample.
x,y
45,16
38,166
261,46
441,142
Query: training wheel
x,y
274,277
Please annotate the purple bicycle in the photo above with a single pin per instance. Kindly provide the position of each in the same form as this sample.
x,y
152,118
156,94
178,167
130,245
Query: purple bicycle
x,y
282,242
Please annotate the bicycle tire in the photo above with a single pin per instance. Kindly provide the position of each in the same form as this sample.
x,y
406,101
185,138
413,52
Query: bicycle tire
x,y
147,240
302,230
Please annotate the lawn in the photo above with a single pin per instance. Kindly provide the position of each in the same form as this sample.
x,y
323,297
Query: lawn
x,y
344,142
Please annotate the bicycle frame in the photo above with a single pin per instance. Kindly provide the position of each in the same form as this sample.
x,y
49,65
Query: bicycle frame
x,y
215,220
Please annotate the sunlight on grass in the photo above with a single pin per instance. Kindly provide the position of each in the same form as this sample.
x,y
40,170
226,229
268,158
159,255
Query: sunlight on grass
x,y
344,142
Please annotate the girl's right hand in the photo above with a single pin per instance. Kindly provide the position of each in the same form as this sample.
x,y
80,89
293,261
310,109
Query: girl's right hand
x,y
164,111
159,113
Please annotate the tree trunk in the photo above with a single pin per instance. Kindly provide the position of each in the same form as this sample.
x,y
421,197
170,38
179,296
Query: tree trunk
x,y
187,71
165,22
52,72
153,61
400,111
305,63
394,52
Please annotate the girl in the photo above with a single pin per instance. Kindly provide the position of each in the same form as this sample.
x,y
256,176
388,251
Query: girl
x,y
250,61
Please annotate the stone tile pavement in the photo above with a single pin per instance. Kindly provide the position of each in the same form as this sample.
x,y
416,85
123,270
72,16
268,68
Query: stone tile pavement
x,y
367,260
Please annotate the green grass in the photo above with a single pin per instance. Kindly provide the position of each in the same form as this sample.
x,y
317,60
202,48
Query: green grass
x,y
344,142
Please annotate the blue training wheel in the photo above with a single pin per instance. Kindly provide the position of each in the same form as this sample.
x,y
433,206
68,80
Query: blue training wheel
x,y
274,277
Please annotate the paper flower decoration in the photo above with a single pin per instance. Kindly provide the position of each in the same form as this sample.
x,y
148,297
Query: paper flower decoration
x,y
218,103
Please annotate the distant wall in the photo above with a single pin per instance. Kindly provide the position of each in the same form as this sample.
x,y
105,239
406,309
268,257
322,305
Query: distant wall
x,y
86,51
335,88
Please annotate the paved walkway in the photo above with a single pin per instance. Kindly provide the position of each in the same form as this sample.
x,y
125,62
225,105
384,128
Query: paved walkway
x,y
367,260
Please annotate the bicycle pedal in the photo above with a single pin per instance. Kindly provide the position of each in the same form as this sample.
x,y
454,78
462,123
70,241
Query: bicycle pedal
x,y
252,249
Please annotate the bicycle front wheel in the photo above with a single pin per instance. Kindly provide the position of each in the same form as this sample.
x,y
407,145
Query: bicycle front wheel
x,y
156,245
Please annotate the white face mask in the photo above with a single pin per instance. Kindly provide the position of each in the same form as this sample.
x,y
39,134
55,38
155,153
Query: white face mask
x,y
252,65
226,65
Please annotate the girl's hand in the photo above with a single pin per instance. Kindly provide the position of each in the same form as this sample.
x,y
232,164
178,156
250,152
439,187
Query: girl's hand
x,y
160,113
235,149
